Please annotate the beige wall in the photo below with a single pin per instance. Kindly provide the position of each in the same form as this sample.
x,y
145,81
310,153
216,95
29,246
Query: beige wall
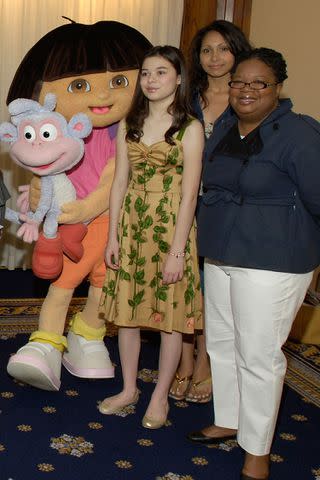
x,y
292,27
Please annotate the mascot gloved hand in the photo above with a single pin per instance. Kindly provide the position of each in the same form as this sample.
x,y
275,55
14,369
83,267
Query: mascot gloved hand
x,y
90,69
43,142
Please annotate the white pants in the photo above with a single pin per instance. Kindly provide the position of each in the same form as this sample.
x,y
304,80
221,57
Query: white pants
x,y
249,314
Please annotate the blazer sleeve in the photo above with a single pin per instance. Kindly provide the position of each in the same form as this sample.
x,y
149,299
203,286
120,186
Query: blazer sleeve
x,y
304,164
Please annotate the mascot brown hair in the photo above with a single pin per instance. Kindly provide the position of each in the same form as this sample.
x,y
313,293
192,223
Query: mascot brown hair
x,y
91,69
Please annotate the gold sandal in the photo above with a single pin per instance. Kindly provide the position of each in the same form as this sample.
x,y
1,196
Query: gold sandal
x,y
196,386
179,387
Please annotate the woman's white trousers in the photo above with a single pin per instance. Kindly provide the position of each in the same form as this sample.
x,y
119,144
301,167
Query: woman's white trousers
x,y
249,314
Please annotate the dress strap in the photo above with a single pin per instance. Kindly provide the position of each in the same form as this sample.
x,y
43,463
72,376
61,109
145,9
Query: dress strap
x,y
183,129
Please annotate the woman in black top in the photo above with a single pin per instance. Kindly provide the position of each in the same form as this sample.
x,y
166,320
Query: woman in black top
x,y
212,55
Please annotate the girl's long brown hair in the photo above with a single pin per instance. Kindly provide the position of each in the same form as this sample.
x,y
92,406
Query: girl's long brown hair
x,y
179,109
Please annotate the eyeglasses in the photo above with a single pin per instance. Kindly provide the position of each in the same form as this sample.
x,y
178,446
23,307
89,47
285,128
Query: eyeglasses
x,y
255,85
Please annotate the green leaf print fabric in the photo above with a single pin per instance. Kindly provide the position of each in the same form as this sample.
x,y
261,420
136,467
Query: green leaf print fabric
x,y
134,295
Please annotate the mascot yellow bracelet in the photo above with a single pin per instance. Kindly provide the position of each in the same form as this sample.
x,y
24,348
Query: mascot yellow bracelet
x,y
90,69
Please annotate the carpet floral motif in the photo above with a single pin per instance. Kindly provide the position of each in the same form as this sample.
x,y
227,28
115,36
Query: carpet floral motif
x,y
147,375
21,315
24,428
70,445
174,476
299,418
309,352
48,409
45,467
30,421
316,473
145,442
200,461
95,425
276,458
124,464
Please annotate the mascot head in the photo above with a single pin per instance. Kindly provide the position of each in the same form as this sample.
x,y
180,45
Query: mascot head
x,y
90,68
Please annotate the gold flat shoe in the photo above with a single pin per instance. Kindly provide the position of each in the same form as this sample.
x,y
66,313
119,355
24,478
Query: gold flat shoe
x,y
154,423
179,387
196,387
148,422
106,407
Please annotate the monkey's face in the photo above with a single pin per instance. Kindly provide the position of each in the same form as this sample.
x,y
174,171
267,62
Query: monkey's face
x,y
43,148
105,97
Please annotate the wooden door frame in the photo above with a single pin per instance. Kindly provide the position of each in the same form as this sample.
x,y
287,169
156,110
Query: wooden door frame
x,y
236,11
199,13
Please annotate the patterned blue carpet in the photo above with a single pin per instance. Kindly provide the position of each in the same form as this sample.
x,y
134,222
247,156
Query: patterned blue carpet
x,y
62,435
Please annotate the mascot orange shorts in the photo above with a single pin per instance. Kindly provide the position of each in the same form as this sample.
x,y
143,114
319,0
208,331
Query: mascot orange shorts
x,y
92,264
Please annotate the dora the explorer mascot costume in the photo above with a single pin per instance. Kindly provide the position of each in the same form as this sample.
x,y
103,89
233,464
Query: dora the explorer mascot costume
x,y
91,69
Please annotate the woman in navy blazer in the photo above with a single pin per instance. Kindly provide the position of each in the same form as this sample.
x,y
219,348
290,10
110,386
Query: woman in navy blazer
x,y
259,231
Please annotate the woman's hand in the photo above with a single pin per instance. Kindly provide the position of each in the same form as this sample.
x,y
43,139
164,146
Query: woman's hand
x,y
35,192
172,270
112,254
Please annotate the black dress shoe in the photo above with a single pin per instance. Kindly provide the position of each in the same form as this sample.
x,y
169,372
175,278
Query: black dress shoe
x,y
199,437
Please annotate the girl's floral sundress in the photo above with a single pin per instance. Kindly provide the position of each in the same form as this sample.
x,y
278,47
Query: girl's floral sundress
x,y
134,295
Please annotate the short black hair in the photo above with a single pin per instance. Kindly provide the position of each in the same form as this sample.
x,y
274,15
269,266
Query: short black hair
x,y
77,48
270,57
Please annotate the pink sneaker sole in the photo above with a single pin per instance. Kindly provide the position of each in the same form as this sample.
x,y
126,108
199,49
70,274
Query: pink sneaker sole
x,y
88,372
33,372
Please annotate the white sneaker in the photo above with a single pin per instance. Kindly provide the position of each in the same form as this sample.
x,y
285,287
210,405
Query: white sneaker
x,y
37,364
87,358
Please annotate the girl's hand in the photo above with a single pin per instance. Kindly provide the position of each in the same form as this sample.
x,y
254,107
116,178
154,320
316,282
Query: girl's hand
x,y
23,198
172,270
112,254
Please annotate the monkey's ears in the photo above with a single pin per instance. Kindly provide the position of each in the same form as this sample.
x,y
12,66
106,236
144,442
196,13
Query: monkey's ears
x,y
8,132
80,126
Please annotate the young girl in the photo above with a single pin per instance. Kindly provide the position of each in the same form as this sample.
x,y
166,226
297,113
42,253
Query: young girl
x,y
212,55
154,280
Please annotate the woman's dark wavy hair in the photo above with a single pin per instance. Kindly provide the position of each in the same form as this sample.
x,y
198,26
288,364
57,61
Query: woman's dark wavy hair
x,y
179,109
236,41
76,49
270,57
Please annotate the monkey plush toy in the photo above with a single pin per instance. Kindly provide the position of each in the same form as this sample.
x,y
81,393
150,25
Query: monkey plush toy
x,y
43,142
90,69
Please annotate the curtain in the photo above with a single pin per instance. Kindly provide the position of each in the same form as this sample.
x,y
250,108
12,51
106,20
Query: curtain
x,y
23,23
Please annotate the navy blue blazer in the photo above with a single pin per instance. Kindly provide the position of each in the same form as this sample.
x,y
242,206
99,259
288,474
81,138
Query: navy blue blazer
x,y
261,201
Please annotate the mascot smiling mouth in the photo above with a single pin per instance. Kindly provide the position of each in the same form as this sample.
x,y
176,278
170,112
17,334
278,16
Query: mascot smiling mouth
x,y
101,110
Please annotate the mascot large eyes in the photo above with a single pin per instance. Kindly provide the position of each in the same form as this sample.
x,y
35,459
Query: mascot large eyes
x,y
91,69
119,81
104,96
79,86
